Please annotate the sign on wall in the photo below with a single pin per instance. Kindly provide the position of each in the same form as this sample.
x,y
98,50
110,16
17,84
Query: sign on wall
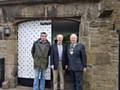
x,y
28,32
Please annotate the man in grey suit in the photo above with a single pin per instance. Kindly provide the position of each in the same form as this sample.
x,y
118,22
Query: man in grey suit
x,y
76,61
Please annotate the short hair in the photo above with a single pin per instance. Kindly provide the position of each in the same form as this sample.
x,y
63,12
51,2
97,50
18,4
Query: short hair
x,y
59,35
43,33
73,35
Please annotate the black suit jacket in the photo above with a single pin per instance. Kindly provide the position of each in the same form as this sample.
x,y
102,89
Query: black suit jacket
x,y
77,61
55,56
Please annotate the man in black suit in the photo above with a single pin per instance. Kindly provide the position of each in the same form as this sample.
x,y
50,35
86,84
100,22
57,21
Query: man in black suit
x,y
76,61
58,61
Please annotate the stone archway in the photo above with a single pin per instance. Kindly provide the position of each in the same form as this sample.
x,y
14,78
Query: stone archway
x,y
29,30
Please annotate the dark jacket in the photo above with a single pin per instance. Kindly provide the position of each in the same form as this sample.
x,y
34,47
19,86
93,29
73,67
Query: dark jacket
x,y
40,52
78,60
55,56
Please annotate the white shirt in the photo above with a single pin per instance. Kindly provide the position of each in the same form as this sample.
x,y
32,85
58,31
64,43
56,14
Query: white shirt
x,y
60,50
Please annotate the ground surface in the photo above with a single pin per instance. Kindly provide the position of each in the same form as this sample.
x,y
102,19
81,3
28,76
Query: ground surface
x,y
20,88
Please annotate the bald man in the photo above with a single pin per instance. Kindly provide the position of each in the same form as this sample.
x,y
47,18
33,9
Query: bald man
x,y
76,61
58,62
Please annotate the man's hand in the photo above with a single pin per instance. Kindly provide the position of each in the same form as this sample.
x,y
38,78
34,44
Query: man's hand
x,y
66,66
85,69
52,66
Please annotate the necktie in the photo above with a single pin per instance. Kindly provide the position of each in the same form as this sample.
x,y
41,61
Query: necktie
x,y
71,48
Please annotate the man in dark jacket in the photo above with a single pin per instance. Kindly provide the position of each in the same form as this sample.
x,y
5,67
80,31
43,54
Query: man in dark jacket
x,y
40,52
58,61
76,61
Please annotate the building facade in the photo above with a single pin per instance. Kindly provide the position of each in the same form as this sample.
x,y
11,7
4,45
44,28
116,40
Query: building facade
x,y
99,25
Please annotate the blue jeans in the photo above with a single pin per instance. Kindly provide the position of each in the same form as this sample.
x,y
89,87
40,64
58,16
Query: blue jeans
x,y
39,80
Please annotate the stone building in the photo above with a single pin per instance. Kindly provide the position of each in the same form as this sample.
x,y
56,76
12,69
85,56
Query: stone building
x,y
98,29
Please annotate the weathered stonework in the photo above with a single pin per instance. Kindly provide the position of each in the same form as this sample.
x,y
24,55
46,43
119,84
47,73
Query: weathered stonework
x,y
96,33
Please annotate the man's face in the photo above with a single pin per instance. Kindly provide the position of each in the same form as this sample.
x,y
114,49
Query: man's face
x,y
43,37
59,39
73,39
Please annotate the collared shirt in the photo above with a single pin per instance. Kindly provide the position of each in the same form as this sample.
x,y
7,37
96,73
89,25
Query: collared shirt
x,y
60,50
43,44
72,45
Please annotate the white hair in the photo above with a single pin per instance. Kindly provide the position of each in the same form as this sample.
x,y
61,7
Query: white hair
x,y
59,35
73,35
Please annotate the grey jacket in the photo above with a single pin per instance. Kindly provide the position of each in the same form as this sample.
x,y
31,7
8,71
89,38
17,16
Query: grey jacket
x,y
40,52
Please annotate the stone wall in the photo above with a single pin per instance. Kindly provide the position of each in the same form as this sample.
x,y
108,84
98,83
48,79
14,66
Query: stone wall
x,y
96,33
102,44
9,52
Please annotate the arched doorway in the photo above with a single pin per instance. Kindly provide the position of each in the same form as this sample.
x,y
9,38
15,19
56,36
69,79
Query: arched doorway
x,y
28,32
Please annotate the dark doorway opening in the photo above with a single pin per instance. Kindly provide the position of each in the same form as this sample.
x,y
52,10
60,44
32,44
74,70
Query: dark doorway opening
x,y
61,26
64,27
